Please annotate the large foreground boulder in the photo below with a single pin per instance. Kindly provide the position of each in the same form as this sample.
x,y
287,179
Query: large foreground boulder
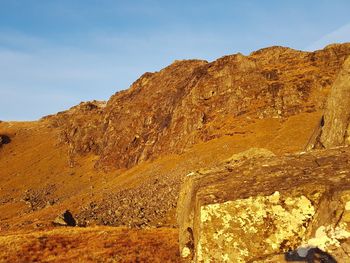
x,y
261,209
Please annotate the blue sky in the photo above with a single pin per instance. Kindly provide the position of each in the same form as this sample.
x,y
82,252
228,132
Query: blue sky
x,y
54,54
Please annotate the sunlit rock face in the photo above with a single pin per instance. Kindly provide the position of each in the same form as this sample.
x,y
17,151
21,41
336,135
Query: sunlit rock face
x,y
259,208
337,116
193,101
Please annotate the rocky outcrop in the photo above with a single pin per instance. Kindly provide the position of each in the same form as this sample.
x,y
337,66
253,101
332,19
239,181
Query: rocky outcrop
x,y
336,121
259,209
194,101
39,198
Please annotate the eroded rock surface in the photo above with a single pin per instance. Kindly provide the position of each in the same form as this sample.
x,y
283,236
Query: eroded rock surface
x,y
262,207
336,129
194,101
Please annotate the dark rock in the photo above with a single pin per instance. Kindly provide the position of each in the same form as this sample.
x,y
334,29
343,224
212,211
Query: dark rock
x,y
65,219
4,139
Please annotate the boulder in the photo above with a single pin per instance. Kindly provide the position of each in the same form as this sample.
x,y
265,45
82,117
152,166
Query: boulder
x,y
334,128
65,219
261,209
4,139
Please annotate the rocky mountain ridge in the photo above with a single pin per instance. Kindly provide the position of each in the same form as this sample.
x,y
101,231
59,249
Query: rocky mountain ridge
x,y
122,163
194,101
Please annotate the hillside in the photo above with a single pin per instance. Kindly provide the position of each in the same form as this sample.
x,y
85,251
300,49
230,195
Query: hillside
x,y
193,101
121,162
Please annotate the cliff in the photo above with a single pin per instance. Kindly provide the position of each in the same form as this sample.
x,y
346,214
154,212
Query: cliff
x,y
194,101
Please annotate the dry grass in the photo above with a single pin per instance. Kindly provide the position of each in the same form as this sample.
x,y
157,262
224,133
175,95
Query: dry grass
x,y
99,244
34,160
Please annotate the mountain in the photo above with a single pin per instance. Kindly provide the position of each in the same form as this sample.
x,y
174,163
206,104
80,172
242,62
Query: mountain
x,y
193,101
122,162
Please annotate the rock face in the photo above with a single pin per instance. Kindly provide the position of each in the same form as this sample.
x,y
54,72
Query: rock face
x,y
261,208
194,101
336,129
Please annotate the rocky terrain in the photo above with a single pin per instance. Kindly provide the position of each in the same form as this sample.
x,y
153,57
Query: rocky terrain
x,y
122,162
257,207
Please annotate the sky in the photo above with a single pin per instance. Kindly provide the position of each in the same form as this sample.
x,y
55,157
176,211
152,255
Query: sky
x,y
55,54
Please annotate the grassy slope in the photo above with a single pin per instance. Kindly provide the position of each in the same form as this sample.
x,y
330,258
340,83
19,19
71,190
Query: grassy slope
x,y
34,160
98,244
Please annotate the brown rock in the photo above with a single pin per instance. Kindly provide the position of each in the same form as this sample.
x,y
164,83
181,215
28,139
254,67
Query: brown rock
x,y
4,139
65,219
192,101
336,129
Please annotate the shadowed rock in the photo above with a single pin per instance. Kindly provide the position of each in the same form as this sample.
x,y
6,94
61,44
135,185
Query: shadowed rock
x,y
309,254
4,139
65,219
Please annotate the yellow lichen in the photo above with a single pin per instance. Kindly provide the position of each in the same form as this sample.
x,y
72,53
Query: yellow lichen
x,y
347,206
238,229
185,252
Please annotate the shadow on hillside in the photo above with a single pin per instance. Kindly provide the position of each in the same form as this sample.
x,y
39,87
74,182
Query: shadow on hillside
x,y
309,254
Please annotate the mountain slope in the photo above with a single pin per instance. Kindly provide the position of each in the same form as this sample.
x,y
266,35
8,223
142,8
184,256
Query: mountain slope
x,y
121,162
194,101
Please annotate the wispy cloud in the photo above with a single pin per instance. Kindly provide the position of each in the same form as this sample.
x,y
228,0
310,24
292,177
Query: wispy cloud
x,y
39,77
340,35
16,40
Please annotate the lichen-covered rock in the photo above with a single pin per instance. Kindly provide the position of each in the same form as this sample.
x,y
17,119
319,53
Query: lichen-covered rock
x,y
234,227
260,208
